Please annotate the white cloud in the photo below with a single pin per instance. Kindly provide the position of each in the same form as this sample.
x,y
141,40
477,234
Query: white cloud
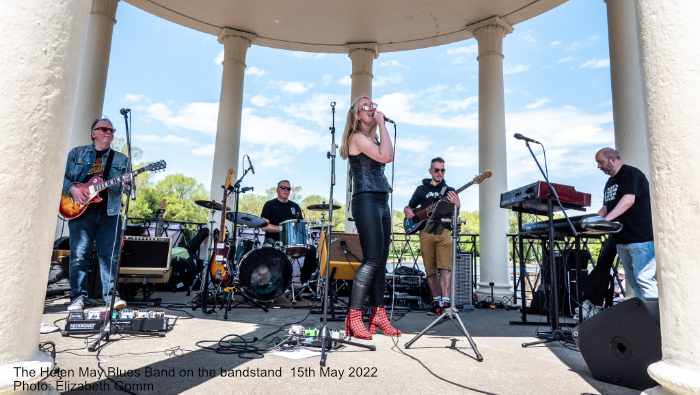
x,y
566,59
555,43
462,54
275,131
528,37
133,98
198,116
413,144
308,55
384,80
317,109
219,57
516,69
345,80
295,87
392,63
410,108
204,150
537,103
164,139
255,71
260,101
595,64
326,79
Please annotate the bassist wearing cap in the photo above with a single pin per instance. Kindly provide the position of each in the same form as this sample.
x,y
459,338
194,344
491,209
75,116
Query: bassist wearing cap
x,y
99,222
435,238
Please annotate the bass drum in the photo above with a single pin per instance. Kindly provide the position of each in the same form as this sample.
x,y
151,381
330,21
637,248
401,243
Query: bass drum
x,y
264,274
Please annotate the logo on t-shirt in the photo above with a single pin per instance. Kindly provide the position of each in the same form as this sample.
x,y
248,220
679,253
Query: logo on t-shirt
x,y
431,195
293,210
610,193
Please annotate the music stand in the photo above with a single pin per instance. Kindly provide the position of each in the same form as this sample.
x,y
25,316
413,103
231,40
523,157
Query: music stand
x,y
444,208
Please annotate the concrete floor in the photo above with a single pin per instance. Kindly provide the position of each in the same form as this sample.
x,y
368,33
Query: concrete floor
x,y
507,367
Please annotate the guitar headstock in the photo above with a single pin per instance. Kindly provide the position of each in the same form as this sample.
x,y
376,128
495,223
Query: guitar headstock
x,y
229,179
482,177
155,166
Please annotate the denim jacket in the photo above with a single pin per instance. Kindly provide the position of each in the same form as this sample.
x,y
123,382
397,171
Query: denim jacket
x,y
80,159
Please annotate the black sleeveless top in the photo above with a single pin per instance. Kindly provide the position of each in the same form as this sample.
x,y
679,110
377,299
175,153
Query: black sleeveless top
x,y
367,175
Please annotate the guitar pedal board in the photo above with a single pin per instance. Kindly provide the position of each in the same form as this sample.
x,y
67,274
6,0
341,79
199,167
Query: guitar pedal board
x,y
126,321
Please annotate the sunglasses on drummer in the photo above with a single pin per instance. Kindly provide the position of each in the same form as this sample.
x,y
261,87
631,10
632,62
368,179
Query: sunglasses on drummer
x,y
285,188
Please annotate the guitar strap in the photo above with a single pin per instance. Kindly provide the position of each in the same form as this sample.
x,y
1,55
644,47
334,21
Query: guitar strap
x,y
108,165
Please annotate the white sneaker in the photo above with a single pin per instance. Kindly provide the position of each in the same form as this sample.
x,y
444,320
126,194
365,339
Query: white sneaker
x,y
119,303
78,304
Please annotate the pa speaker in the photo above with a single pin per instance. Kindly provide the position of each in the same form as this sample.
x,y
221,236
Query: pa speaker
x,y
619,343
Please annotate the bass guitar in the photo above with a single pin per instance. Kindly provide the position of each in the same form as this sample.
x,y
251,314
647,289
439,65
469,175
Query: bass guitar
x,y
71,209
413,225
218,269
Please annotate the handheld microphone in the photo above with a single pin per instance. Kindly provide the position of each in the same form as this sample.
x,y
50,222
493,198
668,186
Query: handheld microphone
x,y
529,140
124,111
250,164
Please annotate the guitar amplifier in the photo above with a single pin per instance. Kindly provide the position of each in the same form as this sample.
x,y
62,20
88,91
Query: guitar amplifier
x,y
346,254
145,257
463,281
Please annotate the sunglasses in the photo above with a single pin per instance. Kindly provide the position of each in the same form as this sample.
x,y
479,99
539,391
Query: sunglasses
x,y
368,107
105,130
438,170
285,188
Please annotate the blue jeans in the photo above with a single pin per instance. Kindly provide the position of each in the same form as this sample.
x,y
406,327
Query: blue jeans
x,y
94,225
639,262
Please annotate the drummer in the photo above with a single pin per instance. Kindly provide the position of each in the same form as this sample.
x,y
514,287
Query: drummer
x,y
279,210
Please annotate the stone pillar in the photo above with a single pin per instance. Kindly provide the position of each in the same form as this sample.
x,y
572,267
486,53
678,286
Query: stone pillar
x,y
228,129
362,57
94,63
627,87
493,220
670,58
40,46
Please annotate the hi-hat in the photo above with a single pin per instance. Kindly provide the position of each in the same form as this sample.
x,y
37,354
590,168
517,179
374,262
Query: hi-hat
x,y
245,219
321,207
208,204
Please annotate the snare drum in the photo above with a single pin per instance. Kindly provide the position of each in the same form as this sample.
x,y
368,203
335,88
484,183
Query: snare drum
x,y
294,237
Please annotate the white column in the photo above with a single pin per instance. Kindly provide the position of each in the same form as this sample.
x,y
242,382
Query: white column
x,y
228,129
94,63
670,61
493,220
627,86
40,46
362,57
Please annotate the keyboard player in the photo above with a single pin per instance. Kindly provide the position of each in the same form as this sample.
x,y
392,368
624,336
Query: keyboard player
x,y
626,199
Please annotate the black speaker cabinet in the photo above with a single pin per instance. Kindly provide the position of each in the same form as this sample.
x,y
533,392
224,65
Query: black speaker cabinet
x,y
619,343
145,257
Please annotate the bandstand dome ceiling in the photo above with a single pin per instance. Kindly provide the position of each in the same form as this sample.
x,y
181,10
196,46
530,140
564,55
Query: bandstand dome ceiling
x,y
331,25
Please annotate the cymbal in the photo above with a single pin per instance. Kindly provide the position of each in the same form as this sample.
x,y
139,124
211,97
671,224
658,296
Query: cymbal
x,y
245,219
208,204
321,207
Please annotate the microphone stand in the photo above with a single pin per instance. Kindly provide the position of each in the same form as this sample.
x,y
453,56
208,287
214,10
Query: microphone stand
x,y
236,189
555,334
325,336
107,324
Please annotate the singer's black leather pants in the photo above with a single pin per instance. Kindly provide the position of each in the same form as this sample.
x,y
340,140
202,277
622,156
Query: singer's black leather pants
x,y
373,221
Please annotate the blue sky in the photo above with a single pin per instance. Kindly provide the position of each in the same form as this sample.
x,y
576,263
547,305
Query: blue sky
x,y
557,90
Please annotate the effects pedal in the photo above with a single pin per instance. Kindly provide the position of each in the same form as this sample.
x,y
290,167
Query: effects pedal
x,y
126,320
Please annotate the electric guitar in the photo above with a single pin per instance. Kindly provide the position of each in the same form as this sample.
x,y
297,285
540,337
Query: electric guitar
x,y
413,225
70,209
218,269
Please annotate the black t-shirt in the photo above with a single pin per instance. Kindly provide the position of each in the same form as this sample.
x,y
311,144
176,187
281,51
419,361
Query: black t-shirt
x,y
276,212
97,169
636,221
427,194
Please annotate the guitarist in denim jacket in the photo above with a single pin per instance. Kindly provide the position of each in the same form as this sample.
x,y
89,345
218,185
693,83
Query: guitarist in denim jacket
x,y
435,239
100,221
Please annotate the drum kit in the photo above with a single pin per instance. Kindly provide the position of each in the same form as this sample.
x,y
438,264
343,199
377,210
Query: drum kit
x,y
262,270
